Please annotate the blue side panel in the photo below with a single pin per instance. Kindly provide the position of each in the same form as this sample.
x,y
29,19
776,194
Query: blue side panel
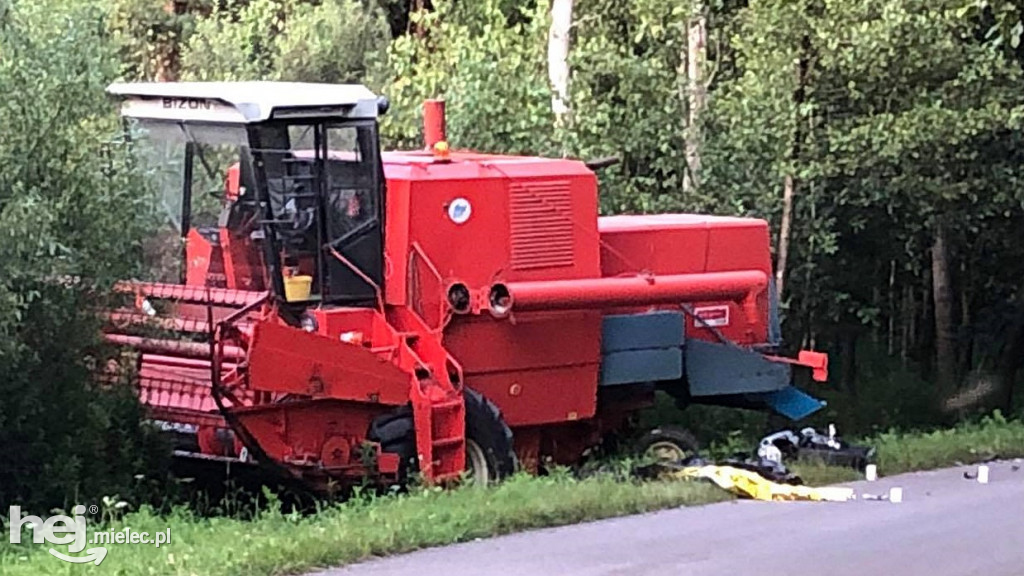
x,y
718,369
642,347
790,402
633,366
661,329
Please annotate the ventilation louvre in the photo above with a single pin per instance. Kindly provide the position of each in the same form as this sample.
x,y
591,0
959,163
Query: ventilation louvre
x,y
541,224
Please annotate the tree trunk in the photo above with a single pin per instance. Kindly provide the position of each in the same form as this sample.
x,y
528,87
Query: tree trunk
x,y
784,233
848,360
1010,362
891,343
942,294
926,329
558,59
966,356
696,55
909,321
800,73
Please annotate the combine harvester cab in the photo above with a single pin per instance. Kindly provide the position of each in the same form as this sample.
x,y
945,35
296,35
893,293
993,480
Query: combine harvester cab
x,y
276,346
338,313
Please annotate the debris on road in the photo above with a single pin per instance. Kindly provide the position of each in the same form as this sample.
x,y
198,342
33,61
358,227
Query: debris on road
x,y
768,469
747,483
871,473
811,444
763,476
895,495
981,475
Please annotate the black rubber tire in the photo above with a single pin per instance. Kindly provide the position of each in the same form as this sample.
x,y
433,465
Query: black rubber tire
x,y
488,430
676,436
396,434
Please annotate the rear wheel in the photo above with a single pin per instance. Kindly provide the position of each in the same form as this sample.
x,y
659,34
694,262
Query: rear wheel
x,y
667,444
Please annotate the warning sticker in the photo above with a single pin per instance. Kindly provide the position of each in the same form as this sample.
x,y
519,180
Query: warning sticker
x,y
714,316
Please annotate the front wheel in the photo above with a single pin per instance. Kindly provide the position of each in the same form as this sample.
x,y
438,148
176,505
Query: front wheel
x,y
396,434
490,454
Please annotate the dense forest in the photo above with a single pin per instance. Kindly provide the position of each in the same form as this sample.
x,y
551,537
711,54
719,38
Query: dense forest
x,y
880,138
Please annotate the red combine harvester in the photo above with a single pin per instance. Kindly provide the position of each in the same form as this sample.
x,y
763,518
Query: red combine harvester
x,y
342,313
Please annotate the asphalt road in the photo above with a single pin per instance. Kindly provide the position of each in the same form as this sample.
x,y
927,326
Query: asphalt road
x,y
946,525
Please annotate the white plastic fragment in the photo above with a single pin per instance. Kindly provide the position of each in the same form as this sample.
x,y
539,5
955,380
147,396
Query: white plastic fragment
x,y
983,474
832,442
871,472
772,453
895,495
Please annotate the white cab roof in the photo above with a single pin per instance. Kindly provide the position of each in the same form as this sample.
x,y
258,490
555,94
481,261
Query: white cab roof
x,y
243,102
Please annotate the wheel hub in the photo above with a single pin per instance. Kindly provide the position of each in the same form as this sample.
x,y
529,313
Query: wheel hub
x,y
665,451
477,469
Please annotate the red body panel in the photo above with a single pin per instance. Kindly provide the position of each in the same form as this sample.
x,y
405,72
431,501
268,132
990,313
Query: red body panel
x,y
542,369
693,244
291,361
533,225
325,435
529,219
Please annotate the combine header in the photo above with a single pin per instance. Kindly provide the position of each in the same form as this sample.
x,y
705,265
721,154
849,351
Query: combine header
x,y
339,313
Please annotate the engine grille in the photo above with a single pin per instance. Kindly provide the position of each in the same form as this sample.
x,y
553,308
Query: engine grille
x,y
541,224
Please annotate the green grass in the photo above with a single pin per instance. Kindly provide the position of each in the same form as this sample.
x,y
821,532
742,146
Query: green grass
x,y
361,528
990,437
275,543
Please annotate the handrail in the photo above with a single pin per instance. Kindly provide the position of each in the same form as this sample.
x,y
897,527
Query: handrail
x,y
443,311
362,275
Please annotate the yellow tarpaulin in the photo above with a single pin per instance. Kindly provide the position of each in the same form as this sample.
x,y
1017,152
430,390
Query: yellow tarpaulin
x,y
751,484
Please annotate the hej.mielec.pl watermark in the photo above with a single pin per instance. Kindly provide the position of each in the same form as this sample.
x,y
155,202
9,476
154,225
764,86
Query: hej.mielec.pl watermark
x,y
71,531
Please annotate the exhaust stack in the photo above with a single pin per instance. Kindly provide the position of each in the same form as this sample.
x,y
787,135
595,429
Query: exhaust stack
x,y
434,123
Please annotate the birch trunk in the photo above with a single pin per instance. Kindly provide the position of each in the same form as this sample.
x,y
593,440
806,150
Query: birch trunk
x,y
696,56
558,59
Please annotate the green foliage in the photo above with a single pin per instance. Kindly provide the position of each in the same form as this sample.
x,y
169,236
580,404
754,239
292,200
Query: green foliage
x,y
491,72
1002,21
891,116
885,394
71,206
627,97
149,36
335,41
630,98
